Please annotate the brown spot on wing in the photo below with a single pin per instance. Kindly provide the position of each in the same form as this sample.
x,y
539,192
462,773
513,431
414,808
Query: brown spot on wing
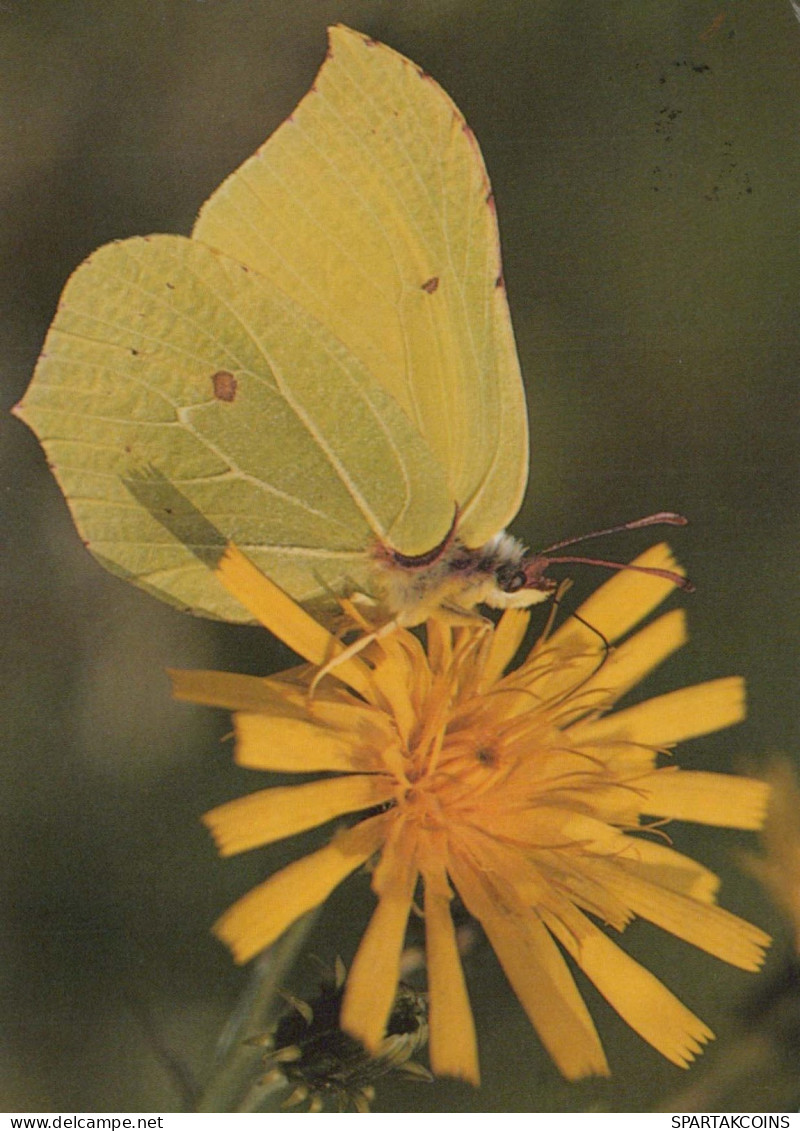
x,y
225,386
430,285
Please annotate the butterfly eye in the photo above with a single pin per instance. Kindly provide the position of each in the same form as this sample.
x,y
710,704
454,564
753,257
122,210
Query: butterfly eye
x,y
513,582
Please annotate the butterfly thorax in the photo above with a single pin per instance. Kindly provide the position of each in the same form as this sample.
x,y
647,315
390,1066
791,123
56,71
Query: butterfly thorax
x,y
456,579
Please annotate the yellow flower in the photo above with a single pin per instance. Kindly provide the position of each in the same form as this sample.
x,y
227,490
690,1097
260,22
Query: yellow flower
x,y
523,792
778,868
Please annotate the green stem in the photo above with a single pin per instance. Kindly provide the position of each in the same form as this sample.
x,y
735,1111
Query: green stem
x,y
232,1086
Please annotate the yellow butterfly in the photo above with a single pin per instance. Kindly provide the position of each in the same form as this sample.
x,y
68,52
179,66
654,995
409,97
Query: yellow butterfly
x,y
325,373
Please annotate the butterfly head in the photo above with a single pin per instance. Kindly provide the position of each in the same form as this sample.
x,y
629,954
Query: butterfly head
x,y
509,577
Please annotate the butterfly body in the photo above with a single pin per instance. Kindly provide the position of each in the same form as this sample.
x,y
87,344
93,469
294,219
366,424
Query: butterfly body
x,y
458,579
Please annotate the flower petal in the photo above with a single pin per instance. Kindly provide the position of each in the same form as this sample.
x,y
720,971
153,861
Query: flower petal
x,y
628,663
539,827
271,814
686,713
620,603
505,642
375,970
579,661
536,970
259,917
453,1043
710,799
708,927
439,637
395,671
229,690
626,760
276,610
636,994
273,742
664,867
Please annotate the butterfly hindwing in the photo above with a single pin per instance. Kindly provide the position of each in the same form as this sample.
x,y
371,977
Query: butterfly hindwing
x,y
184,400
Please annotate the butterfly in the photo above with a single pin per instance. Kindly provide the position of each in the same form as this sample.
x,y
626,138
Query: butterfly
x,y
325,373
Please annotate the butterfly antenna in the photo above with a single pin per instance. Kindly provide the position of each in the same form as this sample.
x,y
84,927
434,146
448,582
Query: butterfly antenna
x,y
669,575
661,518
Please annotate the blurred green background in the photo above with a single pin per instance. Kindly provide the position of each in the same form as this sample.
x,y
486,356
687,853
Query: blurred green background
x,y
646,164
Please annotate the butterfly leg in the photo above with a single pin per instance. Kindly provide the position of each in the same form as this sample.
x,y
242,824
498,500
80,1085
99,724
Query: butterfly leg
x,y
353,649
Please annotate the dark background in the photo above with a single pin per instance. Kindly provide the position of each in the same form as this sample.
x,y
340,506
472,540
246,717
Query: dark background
x,y
646,164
